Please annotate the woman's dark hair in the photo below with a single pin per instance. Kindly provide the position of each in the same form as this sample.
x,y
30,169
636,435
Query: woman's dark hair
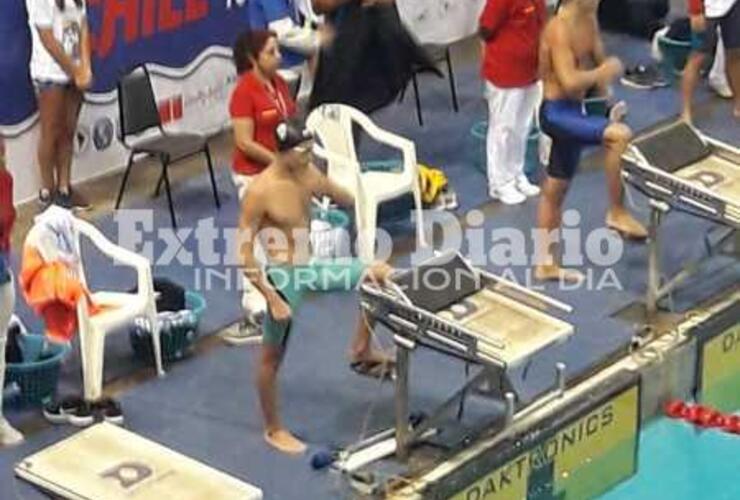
x,y
249,43
62,3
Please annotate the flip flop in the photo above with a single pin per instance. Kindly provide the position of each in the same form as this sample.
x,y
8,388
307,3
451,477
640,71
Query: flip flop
x,y
383,370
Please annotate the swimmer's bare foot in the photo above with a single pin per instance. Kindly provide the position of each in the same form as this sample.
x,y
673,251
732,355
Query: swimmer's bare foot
x,y
557,273
285,442
379,271
687,118
373,364
626,225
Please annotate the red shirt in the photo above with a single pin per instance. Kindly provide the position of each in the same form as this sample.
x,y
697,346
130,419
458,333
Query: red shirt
x,y
7,211
511,54
696,7
252,99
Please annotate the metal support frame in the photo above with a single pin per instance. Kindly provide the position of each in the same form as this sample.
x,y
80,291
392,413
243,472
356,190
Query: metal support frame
x,y
655,291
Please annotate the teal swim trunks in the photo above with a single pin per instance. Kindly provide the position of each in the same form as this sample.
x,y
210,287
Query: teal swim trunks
x,y
294,282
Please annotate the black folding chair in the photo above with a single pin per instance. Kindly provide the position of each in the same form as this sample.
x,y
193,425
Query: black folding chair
x,y
142,133
438,54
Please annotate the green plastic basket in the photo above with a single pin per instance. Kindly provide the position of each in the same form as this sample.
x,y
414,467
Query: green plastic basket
x,y
176,344
675,54
36,380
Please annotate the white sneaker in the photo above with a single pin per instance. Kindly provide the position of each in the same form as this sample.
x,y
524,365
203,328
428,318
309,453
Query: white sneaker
x,y
507,194
618,112
525,187
722,89
9,436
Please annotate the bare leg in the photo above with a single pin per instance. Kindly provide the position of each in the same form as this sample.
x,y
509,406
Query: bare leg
x,y
549,214
733,76
275,434
616,140
65,148
689,81
51,111
361,349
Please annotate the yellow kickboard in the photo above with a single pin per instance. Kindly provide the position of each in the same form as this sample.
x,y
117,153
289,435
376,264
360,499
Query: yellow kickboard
x,y
106,462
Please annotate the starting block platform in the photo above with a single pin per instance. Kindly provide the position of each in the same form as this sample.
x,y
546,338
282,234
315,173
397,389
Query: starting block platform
x,y
108,462
678,167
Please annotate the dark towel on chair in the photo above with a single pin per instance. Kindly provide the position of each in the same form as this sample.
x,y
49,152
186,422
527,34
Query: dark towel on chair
x,y
370,62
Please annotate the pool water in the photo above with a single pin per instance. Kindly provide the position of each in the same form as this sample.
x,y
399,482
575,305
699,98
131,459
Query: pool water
x,y
676,461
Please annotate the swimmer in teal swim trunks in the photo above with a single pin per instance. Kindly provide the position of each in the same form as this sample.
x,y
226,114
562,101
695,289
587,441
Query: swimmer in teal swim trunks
x,y
277,211
569,44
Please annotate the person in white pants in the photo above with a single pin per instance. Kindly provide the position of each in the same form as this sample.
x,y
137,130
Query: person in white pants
x,y
718,74
510,114
510,30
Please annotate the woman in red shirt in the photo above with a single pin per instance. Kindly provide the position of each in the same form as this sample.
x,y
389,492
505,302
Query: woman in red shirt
x,y
511,31
260,101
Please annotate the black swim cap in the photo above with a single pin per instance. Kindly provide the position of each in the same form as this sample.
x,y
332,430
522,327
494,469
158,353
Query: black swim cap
x,y
290,134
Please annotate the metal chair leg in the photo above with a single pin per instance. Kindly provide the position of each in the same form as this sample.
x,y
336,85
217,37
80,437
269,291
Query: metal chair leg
x,y
415,81
165,163
402,95
158,190
451,78
207,151
125,180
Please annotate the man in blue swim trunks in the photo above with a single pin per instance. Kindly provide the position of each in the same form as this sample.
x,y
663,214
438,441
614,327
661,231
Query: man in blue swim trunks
x,y
277,211
571,46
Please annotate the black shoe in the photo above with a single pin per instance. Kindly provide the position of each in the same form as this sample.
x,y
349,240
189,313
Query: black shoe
x,y
639,77
72,200
72,410
109,410
63,200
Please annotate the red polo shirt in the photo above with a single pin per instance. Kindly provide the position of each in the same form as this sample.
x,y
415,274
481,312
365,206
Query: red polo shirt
x,y
7,211
511,54
696,7
252,99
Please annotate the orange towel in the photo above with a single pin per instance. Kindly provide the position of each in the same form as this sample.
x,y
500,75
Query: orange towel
x,y
52,290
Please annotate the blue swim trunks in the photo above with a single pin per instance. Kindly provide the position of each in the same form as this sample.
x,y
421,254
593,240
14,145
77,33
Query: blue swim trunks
x,y
570,128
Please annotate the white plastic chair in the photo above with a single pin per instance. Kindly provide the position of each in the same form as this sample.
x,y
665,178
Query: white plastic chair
x,y
125,308
332,126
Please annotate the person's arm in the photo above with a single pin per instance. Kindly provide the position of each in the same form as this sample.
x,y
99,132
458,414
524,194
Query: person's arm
x,y
290,35
569,75
84,76
493,16
253,213
321,185
244,141
41,17
54,48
